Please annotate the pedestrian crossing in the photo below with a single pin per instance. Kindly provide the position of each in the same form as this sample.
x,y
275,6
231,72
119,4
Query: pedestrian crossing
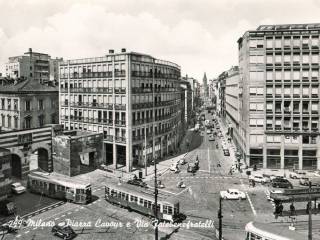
x,y
198,177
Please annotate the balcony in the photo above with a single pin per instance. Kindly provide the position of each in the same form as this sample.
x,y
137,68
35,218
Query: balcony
x,y
120,139
120,123
118,73
108,138
120,106
107,121
119,90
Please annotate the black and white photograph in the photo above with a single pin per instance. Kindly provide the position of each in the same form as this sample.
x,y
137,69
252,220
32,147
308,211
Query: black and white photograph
x,y
159,120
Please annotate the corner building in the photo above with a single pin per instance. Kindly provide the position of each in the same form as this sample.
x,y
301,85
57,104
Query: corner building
x,y
279,96
132,98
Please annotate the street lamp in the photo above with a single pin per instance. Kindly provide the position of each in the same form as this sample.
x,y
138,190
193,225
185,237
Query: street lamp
x,y
155,200
220,218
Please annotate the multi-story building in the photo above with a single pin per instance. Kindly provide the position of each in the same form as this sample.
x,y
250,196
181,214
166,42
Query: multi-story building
x,y
186,104
28,104
232,103
5,174
279,96
134,99
34,66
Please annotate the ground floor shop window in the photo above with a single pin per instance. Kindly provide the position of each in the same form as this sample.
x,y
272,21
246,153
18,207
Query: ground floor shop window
x,y
256,157
291,158
309,159
273,158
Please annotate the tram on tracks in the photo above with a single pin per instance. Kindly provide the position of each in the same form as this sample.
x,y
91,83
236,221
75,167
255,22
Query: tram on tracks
x,y
142,201
59,186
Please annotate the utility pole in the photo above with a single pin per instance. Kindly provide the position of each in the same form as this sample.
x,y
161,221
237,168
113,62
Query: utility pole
x,y
155,200
220,218
310,214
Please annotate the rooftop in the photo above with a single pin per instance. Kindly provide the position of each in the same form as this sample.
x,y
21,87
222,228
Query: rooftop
x,y
310,26
28,86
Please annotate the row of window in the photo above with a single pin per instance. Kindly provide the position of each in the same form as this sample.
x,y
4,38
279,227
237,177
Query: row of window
x,y
279,42
286,58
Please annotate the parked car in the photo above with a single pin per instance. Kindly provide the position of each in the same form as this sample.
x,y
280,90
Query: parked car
x,y
137,182
211,138
63,231
226,152
232,194
297,174
258,178
17,188
281,183
208,131
273,191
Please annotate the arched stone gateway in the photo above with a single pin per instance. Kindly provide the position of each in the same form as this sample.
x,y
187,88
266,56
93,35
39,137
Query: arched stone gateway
x,y
43,158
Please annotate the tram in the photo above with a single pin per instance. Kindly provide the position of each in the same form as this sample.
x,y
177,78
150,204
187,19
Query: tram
x,y
58,186
142,201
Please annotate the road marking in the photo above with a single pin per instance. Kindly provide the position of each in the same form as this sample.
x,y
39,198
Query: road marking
x,y
182,191
34,228
56,218
26,232
209,159
69,213
76,210
249,199
82,208
63,216
18,236
166,191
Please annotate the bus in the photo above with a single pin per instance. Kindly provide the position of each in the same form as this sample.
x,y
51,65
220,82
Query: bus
x,y
267,231
59,186
142,201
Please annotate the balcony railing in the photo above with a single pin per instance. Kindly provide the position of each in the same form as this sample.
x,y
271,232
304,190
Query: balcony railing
x,y
120,139
119,90
120,106
120,122
86,75
108,138
119,73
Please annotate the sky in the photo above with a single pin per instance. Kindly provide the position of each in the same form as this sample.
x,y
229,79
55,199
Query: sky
x,y
199,35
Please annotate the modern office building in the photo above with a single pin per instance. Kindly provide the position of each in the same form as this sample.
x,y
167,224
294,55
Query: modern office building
x,y
27,104
132,98
279,96
186,104
232,103
34,66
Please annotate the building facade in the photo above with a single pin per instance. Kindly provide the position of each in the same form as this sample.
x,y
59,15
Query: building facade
x,y
186,104
5,174
279,96
232,103
28,104
34,66
133,99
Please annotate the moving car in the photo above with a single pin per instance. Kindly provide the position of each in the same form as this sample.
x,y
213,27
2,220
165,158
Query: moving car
x,y
17,188
305,181
258,178
192,167
174,167
182,161
281,183
63,231
232,194
226,152
208,131
211,138
297,174
137,182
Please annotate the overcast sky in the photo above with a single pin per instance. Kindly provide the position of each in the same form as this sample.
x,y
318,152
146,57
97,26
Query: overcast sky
x,y
199,35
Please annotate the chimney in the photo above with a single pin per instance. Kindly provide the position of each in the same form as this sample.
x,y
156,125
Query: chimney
x,y
123,50
111,51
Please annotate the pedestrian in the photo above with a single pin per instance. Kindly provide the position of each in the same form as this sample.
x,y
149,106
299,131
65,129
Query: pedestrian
x,y
253,183
280,209
308,208
292,209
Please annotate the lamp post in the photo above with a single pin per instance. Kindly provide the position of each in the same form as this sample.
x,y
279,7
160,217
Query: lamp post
x,y
155,200
220,218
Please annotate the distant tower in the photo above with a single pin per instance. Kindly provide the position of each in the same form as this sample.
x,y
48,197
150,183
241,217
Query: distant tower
x,y
205,85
